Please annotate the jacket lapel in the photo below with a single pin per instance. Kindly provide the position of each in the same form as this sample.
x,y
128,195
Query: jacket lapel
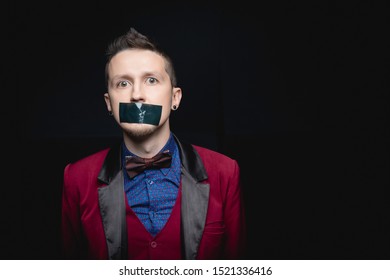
x,y
112,205
195,198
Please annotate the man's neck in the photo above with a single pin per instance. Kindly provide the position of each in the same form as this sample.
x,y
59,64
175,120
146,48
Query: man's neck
x,y
149,146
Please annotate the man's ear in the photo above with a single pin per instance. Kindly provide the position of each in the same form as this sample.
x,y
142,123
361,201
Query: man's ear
x,y
176,98
108,101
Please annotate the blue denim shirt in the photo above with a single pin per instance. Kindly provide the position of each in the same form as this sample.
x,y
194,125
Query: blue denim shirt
x,y
152,194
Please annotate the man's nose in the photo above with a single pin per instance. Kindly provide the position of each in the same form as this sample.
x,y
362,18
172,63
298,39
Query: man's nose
x,y
137,93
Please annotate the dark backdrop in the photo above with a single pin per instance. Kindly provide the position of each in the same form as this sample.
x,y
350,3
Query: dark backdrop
x,y
294,92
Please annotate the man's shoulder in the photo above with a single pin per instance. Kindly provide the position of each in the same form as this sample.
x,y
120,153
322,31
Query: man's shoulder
x,y
82,173
95,157
213,156
217,162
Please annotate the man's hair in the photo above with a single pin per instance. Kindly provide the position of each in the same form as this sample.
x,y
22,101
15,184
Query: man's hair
x,y
135,40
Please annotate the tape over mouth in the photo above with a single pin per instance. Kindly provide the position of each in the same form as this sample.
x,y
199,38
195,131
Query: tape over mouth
x,y
138,112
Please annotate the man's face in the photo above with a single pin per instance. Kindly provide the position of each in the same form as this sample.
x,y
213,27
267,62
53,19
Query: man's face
x,y
140,76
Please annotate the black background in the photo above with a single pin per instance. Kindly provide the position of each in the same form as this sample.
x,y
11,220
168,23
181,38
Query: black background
x,y
295,92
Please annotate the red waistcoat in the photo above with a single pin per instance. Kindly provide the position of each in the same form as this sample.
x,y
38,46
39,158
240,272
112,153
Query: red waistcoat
x,y
165,245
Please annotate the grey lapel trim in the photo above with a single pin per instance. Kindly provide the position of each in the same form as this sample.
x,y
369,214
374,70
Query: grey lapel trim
x,y
113,211
112,205
191,161
194,201
111,165
195,198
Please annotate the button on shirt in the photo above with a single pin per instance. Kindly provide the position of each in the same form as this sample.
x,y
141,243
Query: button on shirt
x,y
152,193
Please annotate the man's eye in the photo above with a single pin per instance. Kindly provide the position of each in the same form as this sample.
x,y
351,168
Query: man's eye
x,y
123,84
152,80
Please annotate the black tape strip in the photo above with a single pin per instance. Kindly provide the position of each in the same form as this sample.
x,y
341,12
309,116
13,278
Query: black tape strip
x,y
140,113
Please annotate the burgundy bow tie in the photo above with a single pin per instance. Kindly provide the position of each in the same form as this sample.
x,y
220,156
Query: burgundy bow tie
x,y
136,165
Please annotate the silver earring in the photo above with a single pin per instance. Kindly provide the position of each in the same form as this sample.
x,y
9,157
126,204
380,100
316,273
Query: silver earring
x,y
174,107
110,113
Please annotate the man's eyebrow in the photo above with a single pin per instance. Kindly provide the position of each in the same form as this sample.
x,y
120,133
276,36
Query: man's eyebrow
x,y
127,76
153,73
145,74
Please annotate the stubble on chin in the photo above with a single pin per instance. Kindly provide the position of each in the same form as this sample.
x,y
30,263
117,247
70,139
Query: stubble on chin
x,y
139,132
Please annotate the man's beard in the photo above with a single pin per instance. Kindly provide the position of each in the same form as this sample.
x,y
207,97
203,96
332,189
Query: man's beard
x,y
139,132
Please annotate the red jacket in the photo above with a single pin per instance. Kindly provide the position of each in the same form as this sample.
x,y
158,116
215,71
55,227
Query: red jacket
x,y
96,219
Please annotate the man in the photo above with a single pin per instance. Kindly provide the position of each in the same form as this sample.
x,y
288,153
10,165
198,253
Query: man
x,y
152,196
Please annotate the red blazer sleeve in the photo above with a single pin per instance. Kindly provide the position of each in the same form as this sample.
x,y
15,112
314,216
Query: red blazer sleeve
x,y
70,223
234,214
